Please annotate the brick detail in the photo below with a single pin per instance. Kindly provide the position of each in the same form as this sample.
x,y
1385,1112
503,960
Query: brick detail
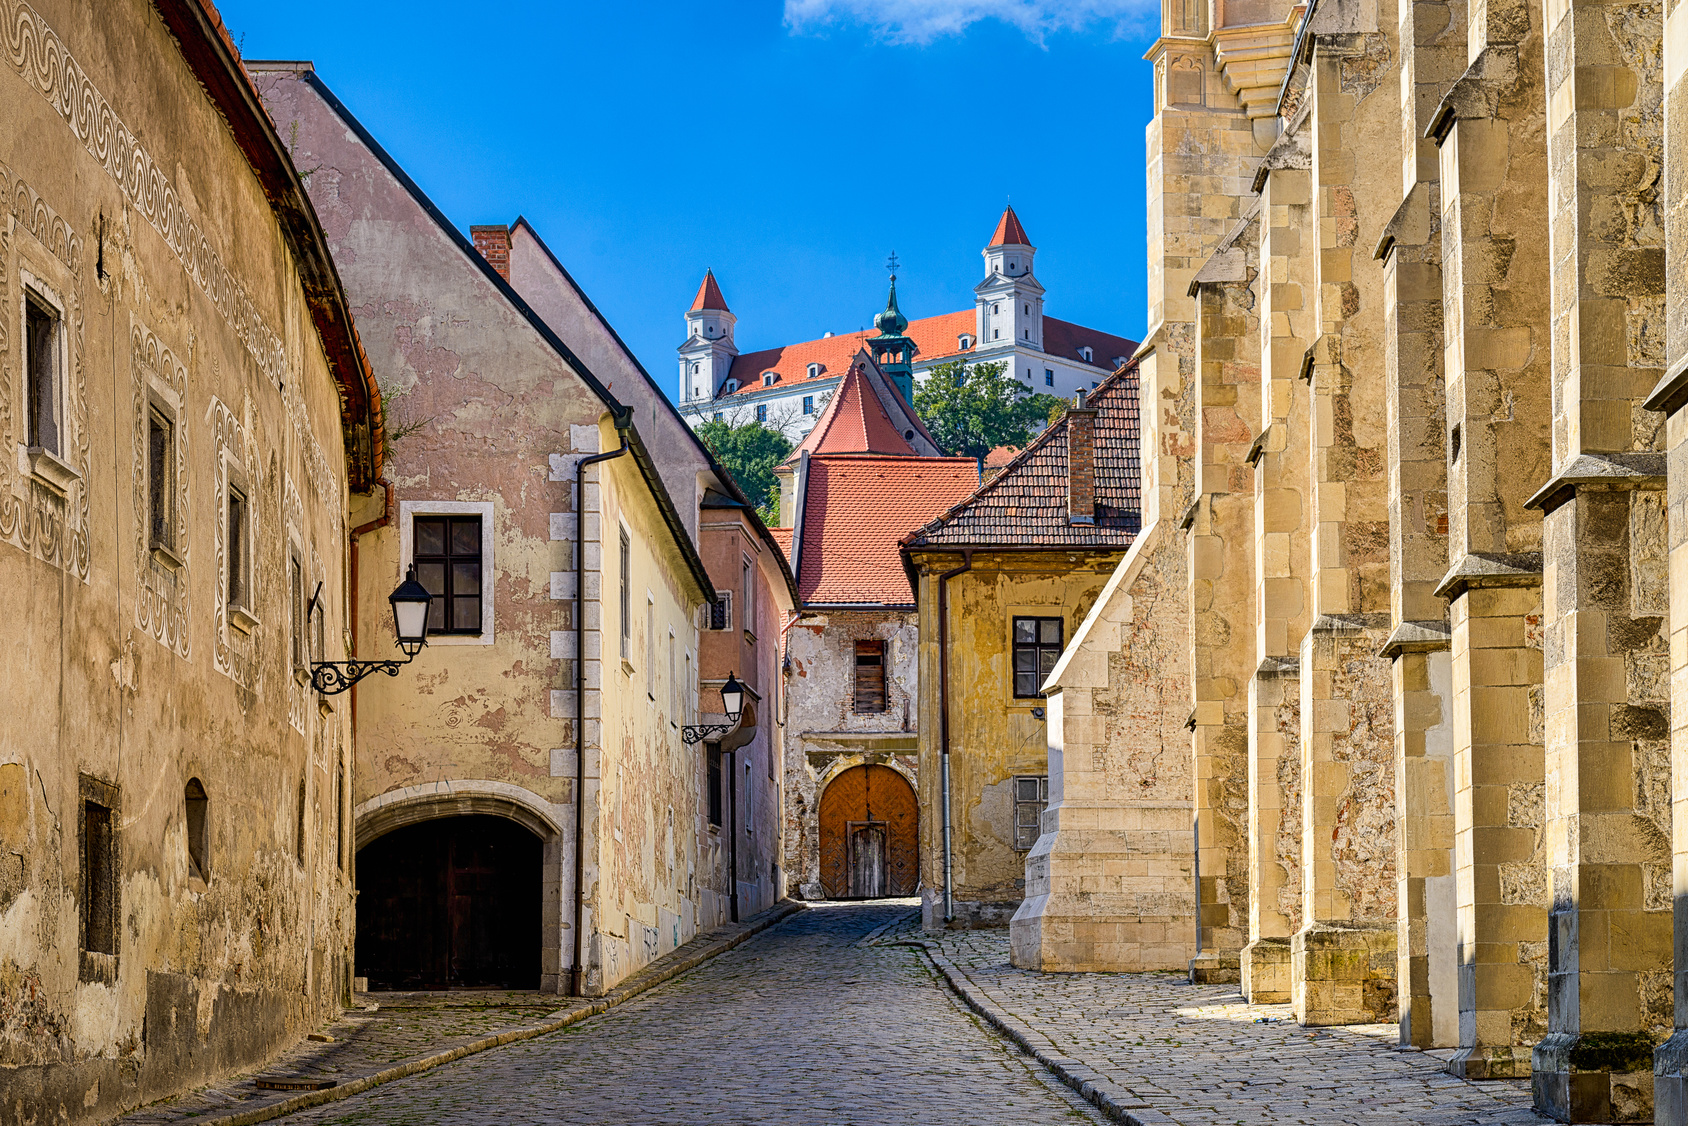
x,y
494,244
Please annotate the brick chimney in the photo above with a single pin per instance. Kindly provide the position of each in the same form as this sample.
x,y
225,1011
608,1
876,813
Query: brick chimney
x,y
494,245
1081,462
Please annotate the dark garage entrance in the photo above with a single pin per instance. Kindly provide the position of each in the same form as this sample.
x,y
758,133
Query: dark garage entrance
x,y
451,903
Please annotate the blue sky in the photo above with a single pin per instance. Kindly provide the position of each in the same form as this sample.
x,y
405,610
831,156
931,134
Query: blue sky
x,y
789,146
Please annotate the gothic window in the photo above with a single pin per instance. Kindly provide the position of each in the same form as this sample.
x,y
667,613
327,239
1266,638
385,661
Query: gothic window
x,y
1037,646
447,556
1186,84
196,804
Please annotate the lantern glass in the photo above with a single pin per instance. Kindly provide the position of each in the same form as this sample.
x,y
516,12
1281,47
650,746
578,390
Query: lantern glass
x,y
732,696
410,613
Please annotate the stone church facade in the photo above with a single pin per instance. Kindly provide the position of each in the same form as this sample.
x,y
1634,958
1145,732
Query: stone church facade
x,y
1412,549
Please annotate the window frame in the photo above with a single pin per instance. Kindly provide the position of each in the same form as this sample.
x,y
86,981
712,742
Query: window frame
x,y
747,580
448,559
196,829
713,790
409,510
761,412
626,597
41,298
724,600
1040,802
1036,647
239,593
298,656
808,404
161,481
99,924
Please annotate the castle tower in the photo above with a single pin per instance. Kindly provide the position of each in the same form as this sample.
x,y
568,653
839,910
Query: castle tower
x,y
709,350
893,351
1009,301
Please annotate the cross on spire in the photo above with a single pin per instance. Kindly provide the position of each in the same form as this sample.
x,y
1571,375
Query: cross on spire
x,y
891,263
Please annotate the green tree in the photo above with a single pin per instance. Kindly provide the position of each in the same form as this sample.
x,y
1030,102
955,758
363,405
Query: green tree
x,y
750,453
972,410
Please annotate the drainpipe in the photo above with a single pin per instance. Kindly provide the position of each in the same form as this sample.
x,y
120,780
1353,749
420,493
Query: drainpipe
x,y
732,829
943,722
622,422
350,844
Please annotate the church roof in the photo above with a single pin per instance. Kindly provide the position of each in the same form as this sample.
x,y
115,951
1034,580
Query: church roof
x,y
709,296
1009,232
935,338
854,422
1025,505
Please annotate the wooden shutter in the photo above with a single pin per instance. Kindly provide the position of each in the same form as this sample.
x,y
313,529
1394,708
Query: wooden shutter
x,y
870,676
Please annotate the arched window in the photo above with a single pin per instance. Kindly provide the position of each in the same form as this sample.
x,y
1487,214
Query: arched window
x,y
814,370
964,342
694,369
1085,353
731,385
199,854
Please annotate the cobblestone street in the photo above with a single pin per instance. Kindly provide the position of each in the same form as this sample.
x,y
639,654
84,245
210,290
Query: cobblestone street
x,y
807,1023
798,1025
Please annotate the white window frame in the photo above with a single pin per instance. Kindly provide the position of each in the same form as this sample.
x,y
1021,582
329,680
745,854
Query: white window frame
x,y
814,371
727,626
408,511
769,378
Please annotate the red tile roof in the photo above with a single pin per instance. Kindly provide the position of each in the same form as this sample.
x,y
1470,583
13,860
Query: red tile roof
x,y
1025,505
709,295
934,338
782,536
854,422
1001,456
1009,232
857,507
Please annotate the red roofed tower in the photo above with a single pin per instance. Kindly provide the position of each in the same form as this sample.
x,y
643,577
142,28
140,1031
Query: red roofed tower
x,y
1009,302
707,355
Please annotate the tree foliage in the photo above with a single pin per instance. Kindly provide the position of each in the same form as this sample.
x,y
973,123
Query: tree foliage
x,y
971,410
750,452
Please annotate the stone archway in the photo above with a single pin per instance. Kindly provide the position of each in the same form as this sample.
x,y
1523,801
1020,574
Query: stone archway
x,y
869,834
458,887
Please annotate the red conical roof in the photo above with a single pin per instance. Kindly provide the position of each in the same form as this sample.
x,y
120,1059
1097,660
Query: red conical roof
x,y
709,294
1009,232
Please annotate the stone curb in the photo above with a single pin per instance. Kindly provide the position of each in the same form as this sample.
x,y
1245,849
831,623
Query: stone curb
x,y
1096,1089
639,983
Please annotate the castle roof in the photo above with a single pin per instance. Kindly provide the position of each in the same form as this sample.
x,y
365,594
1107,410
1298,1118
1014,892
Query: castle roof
x,y
1025,505
935,338
1009,232
709,296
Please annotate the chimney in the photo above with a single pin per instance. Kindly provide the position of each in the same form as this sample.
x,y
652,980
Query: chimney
x,y
1081,462
494,245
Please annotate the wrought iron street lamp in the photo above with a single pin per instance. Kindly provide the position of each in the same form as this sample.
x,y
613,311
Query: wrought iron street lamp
x,y
732,700
410,621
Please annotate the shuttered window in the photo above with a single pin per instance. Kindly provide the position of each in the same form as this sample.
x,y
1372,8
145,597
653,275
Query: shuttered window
x,y
870,676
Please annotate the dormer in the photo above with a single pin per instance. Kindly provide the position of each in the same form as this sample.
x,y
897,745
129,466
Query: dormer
x,y
964,342
730,386
1087,354
814,371
769,378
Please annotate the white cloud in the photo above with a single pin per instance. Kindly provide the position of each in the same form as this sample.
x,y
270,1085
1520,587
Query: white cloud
x,y
921,21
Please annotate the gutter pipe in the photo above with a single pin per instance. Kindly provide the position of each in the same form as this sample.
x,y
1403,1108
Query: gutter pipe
x,y
623,421
943,723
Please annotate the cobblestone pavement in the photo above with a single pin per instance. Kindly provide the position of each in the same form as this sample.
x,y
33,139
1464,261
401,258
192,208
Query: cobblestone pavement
x,y
1196,1053
801,1024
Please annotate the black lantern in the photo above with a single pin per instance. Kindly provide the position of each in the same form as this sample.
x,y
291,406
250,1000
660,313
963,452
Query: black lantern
x,y
410,624
732,702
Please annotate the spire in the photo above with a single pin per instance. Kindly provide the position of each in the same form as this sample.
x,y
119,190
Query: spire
x,y
1009,232
709,295
892,350
891,322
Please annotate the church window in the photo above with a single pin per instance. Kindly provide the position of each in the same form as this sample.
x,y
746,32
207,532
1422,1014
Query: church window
x,y
762,412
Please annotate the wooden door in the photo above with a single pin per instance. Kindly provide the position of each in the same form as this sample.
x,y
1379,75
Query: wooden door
x,y
866,858
861,798
450,904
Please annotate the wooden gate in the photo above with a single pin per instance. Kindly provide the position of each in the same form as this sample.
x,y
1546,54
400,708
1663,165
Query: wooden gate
x,y
451,903
870,839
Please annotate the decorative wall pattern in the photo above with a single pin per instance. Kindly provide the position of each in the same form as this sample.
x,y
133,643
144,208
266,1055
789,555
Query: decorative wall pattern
x,y
233,651
33,517
161,594
40,57
292,521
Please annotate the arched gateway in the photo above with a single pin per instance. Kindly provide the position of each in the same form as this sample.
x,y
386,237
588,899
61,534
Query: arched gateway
x,y
870,835
451,903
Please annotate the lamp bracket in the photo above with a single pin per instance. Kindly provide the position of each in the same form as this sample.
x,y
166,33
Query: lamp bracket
x,y
696,733
333,677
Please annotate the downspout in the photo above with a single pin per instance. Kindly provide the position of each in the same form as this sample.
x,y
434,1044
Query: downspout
x,y
732,829
943,722
350,843
622,422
